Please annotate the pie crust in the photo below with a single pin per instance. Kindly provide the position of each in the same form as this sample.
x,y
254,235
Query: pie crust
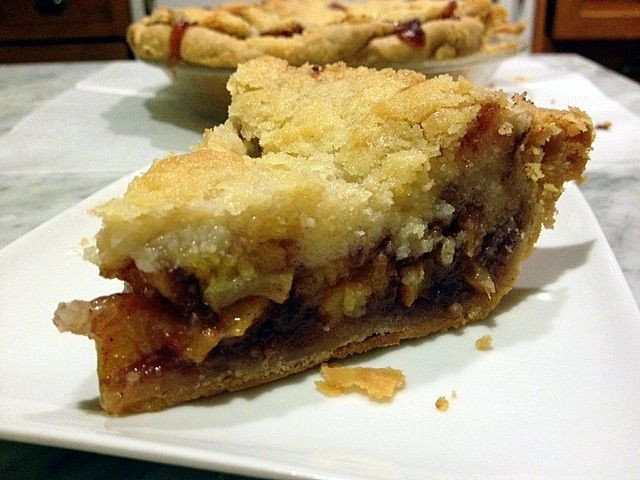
x,y
337,210
373,32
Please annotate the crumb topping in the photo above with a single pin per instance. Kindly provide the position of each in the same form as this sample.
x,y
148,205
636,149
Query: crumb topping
x,y
270,191
336,181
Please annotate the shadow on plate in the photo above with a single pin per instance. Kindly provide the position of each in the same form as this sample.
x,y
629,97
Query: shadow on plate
x,y
91,405
548,264
187,116
164,121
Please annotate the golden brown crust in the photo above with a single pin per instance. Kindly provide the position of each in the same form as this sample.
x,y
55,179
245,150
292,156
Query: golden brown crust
x,y
315,31
446,38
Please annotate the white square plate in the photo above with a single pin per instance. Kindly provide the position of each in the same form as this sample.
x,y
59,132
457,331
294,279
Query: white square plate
x,y
558,395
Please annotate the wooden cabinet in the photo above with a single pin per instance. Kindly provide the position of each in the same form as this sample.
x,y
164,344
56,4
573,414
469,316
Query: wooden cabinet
x,y
596,19
607,31
52,30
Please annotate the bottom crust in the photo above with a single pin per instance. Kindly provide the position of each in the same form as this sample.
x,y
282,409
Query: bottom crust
x,y
163,379
164,382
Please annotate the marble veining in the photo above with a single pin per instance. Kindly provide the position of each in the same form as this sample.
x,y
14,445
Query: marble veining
x,y
615,200
31,199
24,87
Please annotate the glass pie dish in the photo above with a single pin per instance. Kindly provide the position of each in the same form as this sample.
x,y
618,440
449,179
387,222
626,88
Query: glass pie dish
x,y
204,90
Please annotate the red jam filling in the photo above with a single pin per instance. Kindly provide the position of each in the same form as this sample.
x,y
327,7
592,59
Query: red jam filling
x,y
175,43
411,33
449,11
295,30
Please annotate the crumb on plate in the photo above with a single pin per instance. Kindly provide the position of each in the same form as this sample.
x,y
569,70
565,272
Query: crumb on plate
x,y
454,394
484,342
604,125
377,383
442,404
522,79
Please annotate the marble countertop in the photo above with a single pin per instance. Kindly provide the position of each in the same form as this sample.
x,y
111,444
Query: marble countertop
x,y
32,196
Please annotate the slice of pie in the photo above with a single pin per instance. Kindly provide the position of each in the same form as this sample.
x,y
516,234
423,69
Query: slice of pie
x,y
372,32
337,210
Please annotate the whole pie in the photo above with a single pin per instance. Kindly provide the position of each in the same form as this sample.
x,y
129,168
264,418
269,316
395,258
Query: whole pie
x,y
337,210
371,32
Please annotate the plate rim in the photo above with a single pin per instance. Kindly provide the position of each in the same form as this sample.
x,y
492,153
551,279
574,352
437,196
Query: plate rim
x,y
75,437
